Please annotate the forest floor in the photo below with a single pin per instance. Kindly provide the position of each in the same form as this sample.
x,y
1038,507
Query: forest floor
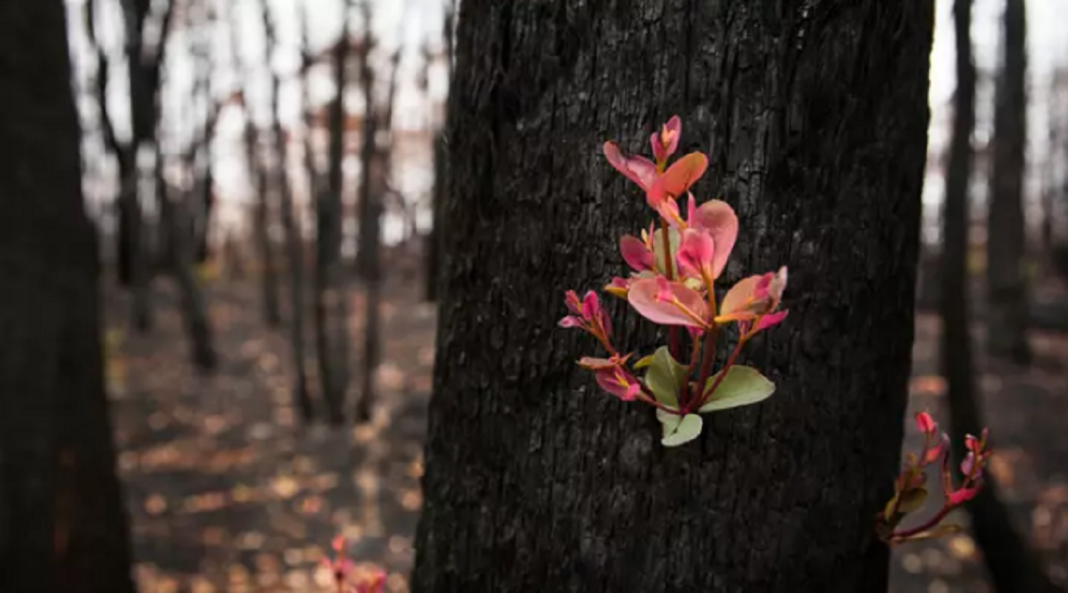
x,y
227,492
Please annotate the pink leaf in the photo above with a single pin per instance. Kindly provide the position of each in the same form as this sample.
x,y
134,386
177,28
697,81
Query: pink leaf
x,y
618,382
925,423
697,253
572,301
719,219
668,303
771,320
636,253
681,175
638,169
570,321
665,141
591,306
738,304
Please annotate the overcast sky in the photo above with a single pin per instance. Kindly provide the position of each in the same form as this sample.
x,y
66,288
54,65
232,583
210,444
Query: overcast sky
x,y
411,23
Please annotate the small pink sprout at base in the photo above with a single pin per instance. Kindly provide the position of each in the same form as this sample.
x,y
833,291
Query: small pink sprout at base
x,y
910,490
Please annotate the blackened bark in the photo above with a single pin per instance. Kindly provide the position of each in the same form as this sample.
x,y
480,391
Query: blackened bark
x,y
294,242
1005,247
62,522
331,302
174,218
1012,565
816,117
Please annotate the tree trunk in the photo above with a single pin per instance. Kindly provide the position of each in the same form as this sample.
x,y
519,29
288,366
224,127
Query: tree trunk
x,y
1005,247
261,213
816,117
294,247
433,247
174,219
330,294
262,231
62,522
135,261
1012,565
377,166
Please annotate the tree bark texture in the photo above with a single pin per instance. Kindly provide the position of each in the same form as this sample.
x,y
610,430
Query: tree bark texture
x,y
815,119
62,522
1005,247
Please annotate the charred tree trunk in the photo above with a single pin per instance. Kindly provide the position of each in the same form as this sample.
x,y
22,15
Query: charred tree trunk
x,y
1005,247
330,294
294,241
62,522
269,276
174,219
816,117
144,71
1012,565
376,176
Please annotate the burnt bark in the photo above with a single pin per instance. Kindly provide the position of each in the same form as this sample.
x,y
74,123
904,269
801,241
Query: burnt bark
x,y
816,118
62,522
1006,238
294,241
331,302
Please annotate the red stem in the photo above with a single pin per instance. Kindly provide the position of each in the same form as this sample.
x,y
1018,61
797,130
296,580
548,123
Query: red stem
x,y
933,521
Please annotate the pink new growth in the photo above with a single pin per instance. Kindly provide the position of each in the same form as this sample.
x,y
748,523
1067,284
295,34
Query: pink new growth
x,y
910,488
674,265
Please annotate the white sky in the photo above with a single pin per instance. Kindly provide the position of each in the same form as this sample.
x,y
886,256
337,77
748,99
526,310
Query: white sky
x,y
413,22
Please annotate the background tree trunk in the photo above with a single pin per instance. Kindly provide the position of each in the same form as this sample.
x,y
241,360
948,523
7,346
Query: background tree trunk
x,y
1005,247
257,175
1012,565
293,238
175,224
816,117
377,167
62,522
331,295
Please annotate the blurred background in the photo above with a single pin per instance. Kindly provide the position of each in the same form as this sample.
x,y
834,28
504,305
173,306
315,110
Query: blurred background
x,y
262,173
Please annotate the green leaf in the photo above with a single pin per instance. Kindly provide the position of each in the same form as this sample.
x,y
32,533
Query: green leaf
x,y
669,422
658,248
644,362
742,386
687,430
912,500
665,377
